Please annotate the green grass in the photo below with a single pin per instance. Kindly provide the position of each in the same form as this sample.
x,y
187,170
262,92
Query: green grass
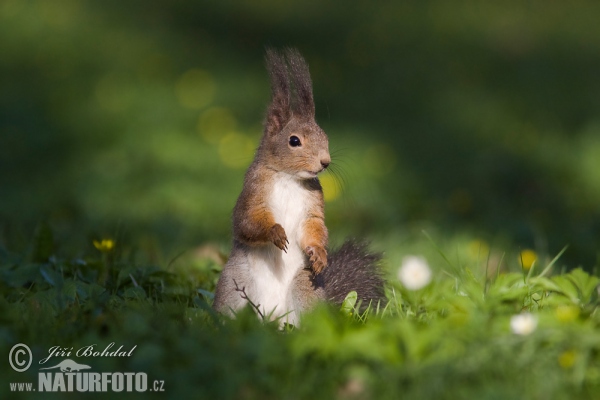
x,y
452,339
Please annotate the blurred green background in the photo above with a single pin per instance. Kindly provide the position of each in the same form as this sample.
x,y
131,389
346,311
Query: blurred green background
x,y
470,119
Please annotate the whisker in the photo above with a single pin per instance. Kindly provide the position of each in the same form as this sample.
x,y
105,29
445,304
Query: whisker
x,y
340,176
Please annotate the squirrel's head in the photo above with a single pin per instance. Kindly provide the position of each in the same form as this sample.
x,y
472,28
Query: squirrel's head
x,y
292,141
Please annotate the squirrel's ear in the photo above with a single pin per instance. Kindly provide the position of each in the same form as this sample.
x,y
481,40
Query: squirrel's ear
x,y
305,105
278,113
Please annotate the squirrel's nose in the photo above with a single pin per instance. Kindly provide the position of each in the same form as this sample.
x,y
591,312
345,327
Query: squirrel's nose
x,y
325,158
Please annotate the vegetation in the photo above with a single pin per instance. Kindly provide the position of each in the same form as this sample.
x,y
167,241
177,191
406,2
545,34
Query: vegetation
x,y
465,140
475,329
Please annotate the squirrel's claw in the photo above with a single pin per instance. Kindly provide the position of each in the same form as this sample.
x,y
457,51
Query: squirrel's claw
x,y
278,237
317,258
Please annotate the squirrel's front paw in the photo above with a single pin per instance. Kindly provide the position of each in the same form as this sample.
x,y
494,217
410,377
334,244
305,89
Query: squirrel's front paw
x,y
317,257
278,237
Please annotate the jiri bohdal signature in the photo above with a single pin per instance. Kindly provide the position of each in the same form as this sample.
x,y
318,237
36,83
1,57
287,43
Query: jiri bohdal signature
x,y
87,351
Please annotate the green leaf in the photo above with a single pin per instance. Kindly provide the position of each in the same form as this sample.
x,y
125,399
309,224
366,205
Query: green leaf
x,y
508,287
567,288
124,277
136,292
542,283
69,289
21,274
208,295
585,283
51,276
349,303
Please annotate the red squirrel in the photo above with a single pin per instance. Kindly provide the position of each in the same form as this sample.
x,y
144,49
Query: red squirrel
x,y
279,261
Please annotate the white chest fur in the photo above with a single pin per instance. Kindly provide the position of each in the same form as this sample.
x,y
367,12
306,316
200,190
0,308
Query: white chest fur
x,y
273,269
288,202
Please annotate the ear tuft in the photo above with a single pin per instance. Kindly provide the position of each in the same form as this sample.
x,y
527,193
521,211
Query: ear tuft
x,y
304,105
278,113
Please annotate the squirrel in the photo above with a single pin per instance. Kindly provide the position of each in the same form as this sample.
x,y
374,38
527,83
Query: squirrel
x,y
279,262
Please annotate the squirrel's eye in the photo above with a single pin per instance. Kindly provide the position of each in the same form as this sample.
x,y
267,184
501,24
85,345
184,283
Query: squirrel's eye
x,y
294,141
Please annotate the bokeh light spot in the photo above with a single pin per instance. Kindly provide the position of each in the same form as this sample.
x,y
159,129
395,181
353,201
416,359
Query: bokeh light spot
x,y
215,123
478,249
236,150
331,188
195,89
567,359
59,13
567,313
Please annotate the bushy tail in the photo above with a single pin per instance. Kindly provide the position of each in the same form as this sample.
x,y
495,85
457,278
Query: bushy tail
x,y
353,267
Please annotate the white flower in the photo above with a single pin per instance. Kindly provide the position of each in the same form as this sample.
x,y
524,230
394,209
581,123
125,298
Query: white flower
x,y
414,273
523,324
